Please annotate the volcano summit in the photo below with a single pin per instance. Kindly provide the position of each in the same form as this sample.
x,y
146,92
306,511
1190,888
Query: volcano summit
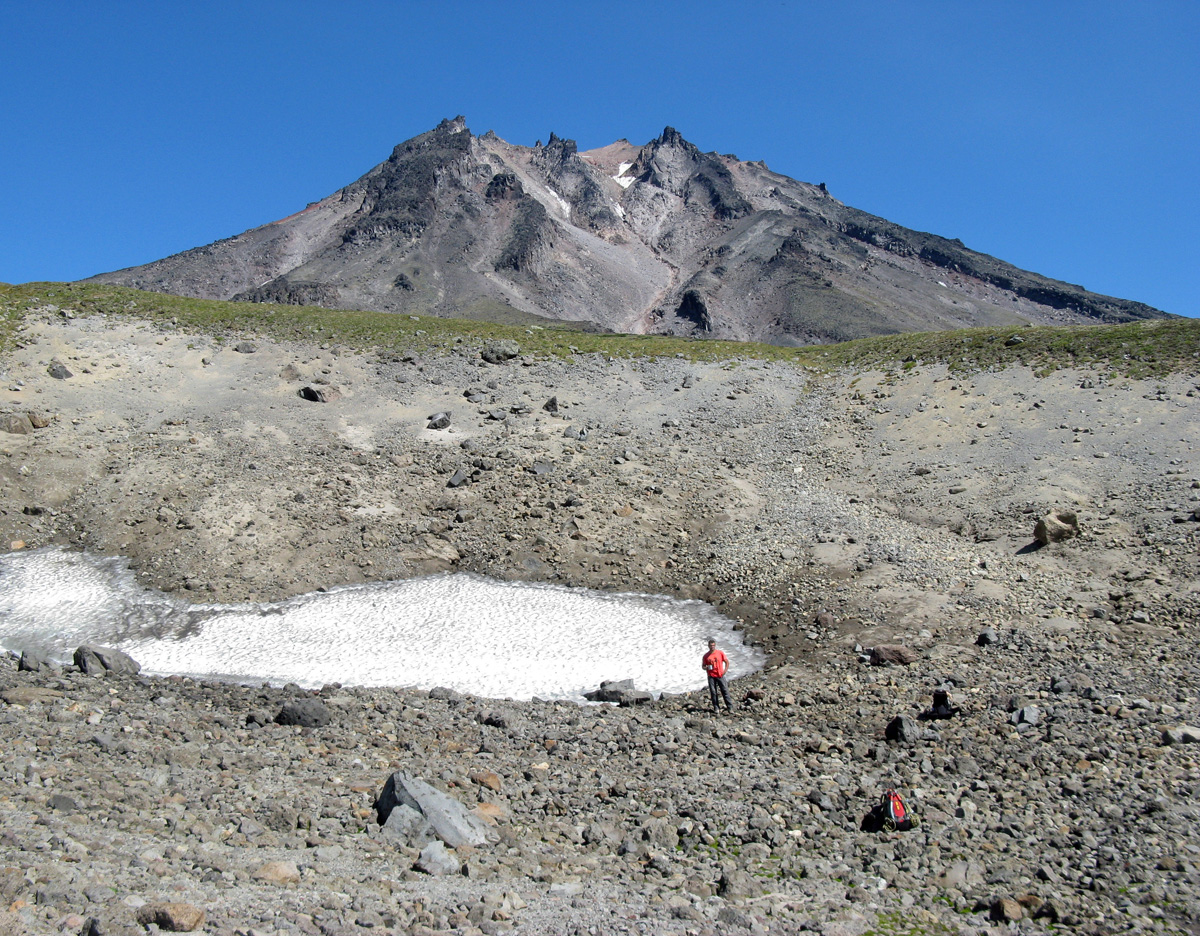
x,y
659,238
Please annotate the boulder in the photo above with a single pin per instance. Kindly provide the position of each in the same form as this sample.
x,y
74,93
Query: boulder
x,y
738,885
1184,734
34,661
59,371
172,917
888,654
408,828
452,822
551,406
661,833
498,352
100,661
308,713
1006,910
325,394
1029,715
487,778
38,420
1056,527
438,421
15,424
620,691
245,347
906,730
436,859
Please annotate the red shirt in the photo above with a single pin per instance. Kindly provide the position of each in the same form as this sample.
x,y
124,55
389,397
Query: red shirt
x,y
715,663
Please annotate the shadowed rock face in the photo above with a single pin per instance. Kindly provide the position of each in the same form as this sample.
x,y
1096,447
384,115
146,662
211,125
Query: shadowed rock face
x,y
656,238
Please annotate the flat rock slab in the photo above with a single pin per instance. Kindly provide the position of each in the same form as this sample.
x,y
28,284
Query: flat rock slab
x,y
27,695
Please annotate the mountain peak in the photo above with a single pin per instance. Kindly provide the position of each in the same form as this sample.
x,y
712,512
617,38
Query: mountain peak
x,y
671,137
655,238
457,125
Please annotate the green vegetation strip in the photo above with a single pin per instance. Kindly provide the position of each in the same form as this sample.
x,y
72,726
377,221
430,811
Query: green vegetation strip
x,y
1140,349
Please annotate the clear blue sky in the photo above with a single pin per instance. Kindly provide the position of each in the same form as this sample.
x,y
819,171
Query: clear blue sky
x,y
1063,137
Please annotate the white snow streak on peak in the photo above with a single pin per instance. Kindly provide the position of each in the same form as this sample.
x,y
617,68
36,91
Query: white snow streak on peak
x,y
562,202
477,635
620,179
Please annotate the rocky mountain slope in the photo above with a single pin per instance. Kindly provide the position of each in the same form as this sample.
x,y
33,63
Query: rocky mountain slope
x,y
659,238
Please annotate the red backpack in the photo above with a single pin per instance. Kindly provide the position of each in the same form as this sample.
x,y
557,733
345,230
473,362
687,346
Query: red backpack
x,y
894,813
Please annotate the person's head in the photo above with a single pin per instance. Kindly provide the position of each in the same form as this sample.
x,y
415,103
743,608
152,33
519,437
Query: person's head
x,y
712,644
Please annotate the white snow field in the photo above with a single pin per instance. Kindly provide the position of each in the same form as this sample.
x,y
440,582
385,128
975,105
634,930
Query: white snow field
x,y
477,635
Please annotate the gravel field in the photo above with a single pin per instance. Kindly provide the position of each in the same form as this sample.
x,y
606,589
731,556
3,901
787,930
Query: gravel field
x,y
829,514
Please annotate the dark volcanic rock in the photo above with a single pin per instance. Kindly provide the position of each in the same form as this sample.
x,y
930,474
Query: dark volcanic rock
x,y
308,713
94,661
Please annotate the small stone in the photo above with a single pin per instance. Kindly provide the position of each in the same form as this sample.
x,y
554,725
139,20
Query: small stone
x,y
1026,715
487,779
173,917
498,352
277,872
437,860
15,424
886,654
59,371
325,394
1006,910
1056,527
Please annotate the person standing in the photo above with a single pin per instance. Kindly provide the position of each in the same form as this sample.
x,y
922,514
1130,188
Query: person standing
x,y
716,664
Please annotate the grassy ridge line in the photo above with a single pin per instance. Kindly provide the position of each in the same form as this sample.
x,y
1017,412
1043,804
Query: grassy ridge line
x,y
1139,349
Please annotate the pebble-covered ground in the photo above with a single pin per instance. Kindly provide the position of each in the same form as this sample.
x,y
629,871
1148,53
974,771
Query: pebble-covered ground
x,y
831,514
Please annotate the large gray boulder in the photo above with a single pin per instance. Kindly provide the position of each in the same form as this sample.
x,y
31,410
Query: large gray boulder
x,y
451,821
100,661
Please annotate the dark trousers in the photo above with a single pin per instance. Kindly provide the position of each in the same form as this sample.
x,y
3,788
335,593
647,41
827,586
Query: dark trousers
x,y
716,683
